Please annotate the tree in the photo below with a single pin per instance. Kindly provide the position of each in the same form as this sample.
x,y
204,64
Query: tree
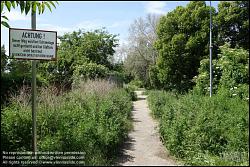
x,y
233,23
79,49
25,6
183,37
140,51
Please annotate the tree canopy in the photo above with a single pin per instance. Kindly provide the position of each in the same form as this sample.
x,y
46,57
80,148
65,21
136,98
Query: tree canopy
x,y
233,23
183,36
91,49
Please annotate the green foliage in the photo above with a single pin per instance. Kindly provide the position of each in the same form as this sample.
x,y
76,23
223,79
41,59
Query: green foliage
x,y
130,89
234,64
230,73
95,119
89,71
14,75
117,77
233,23
153,77
203,130
156,101
136,83
202,81
80,53
3,59
26,6
182,42
98,46
137,66
13,81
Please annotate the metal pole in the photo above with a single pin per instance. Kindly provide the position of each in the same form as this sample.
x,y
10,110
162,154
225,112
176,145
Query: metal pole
x,y
33,26
210,50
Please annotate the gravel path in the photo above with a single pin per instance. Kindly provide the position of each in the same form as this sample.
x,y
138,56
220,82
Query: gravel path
x,y
143,146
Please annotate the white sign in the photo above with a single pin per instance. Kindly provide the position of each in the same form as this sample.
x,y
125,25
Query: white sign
x,y
32,44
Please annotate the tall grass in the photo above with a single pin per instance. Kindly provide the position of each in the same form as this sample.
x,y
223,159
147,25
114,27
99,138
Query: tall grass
x,y
203,130
93,118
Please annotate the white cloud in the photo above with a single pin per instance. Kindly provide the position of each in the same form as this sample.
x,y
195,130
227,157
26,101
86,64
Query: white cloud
x,y
155,7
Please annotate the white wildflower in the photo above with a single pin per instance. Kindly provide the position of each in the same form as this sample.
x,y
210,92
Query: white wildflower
x,y
235,87
234,94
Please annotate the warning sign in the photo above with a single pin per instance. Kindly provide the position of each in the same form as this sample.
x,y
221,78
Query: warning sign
x,y
32,44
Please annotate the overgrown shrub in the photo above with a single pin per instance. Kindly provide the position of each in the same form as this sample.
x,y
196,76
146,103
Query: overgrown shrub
x,y
230,73
203,130
12,82
89,71
130,89
136,83
153,79
93,118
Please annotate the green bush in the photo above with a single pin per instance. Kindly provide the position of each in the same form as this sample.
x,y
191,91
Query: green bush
x,y
89,71
136,83
130,89
153,79
156,101
203,130
93,119
12,82
230,72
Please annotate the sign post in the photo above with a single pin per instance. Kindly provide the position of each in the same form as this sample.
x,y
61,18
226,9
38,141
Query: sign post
x,y
32,44
33,96
210,49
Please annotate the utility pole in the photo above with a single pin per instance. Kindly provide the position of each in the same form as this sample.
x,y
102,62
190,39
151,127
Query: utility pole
x,y
34,93
210,50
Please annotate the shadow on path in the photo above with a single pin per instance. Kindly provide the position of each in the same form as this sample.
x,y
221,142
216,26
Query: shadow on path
x,y
143,145
123,154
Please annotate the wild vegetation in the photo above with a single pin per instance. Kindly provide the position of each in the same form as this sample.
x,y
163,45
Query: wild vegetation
x,y
198,129
82,106
202,130
93,118
85,96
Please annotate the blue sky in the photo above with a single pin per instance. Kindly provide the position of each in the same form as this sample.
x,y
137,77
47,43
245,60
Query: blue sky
x,y
70,16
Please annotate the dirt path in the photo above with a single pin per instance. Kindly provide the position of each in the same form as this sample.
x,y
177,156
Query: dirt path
x,y
143,146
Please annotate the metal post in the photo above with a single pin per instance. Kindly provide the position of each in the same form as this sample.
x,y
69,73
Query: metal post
x,y
33,26
210,50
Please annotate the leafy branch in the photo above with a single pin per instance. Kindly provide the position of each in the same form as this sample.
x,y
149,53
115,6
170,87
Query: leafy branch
x,y
25,6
